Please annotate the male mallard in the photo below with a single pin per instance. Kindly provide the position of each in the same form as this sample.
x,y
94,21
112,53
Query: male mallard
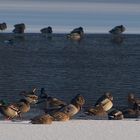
x,y
42,119
105,101
9,111
76,34
75,105
117,30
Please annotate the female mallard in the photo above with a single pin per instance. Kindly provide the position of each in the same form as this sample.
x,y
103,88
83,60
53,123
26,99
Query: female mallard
x,y
60,116
133,101
96,111
49,103
131,113
105,101
42,119
9,111
23,105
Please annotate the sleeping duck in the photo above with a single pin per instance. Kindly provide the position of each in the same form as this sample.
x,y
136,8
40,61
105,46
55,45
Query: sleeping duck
x,y
42,119
76,34
117,30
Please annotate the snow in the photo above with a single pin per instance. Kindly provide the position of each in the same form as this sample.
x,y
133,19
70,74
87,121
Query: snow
x,y
71,130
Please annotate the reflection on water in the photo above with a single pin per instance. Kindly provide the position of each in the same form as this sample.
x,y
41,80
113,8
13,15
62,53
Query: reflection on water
x,y
90,67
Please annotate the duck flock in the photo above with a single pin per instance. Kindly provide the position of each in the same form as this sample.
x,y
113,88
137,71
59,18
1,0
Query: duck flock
x,y
76,34
58,110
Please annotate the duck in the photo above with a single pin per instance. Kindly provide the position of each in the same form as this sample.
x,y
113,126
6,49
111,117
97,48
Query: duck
x,y
47,32
10,111
105,101
23,105
76,34
133,101
42,119
49,103
19,28
75,106
3,26
115,114
131,113
96,111
60,116
30,96
133,109
117,30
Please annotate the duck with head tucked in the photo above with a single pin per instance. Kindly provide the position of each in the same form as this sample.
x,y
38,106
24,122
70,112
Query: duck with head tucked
x,y
117,30
133,110
133,101
47,32
3,26
76,34
42,119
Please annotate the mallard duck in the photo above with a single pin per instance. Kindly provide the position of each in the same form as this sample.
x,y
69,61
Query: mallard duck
x,y
23,105
117,30
19,28
75,105
30,96
47,32
76,34
42,119
133,101
3,26
105,101
9,111
49,103
131,113
96,111
115,114
60,116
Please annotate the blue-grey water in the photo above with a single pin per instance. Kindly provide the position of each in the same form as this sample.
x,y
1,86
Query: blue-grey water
x,y
64,68
91,67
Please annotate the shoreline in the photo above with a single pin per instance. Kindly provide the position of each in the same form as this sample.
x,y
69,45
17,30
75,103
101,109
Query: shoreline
x,y
72,130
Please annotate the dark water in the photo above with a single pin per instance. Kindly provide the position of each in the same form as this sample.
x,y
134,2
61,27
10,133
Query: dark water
x,y
90,67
